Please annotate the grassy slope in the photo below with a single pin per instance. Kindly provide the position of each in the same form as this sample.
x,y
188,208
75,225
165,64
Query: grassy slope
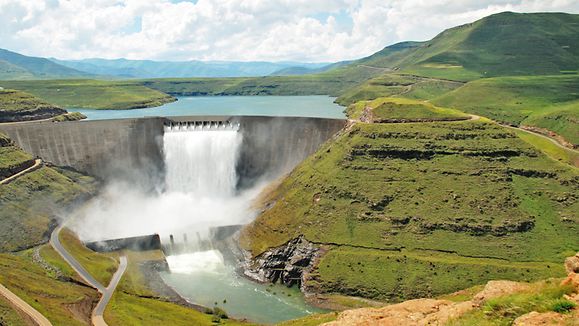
x,y
327,83
550,102
12,159
558,153
17,101
92,94
17,66
31,202
543,296
420,198
501,45
16,105
53,298
393,84
100,266
8,315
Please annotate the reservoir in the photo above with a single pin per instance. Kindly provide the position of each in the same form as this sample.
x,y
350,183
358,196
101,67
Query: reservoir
x,y
289,106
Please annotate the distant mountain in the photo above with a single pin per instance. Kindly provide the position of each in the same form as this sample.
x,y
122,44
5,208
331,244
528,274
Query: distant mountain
x,y
18,66
124,68
300,70
503,44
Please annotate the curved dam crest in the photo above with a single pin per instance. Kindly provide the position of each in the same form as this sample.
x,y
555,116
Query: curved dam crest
x,y
132,149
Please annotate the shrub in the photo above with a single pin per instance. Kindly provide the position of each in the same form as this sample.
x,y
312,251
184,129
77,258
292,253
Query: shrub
x,y
562,306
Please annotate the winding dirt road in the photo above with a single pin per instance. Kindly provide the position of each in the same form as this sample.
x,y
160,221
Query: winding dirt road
x,y
37,164
21,305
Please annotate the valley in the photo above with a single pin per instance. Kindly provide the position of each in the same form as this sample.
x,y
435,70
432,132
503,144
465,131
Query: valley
x,y
456,166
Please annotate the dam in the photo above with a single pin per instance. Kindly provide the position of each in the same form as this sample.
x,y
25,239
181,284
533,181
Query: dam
x,y
185,184
133,148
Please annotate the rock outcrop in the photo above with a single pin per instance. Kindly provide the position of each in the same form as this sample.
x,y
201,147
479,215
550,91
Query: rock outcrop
x,y
285,264
572,264
413,312
536,318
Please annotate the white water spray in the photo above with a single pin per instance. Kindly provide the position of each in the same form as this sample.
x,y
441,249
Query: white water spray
x,y
200,193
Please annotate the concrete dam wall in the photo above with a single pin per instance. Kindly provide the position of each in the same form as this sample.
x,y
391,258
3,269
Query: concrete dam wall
x,y
133,148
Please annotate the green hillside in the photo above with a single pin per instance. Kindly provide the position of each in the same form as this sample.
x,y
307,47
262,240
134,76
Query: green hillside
x,y
15,66
31,203
19,106
410,210
504,44
550,102
92,94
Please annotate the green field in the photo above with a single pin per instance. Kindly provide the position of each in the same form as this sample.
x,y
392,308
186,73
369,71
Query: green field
x,y
468,200
550,102
92,94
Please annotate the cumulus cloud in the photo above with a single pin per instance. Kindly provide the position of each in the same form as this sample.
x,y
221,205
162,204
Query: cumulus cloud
x,y
269,30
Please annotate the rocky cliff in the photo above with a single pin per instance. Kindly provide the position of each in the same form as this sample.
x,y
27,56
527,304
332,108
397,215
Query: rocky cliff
x,y
286,264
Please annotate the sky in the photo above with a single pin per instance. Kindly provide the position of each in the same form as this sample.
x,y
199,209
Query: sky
x,y
237,30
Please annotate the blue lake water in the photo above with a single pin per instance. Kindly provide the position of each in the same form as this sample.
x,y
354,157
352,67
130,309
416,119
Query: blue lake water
x,y
302,106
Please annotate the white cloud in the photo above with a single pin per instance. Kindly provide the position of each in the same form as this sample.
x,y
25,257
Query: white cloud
x,y
236,29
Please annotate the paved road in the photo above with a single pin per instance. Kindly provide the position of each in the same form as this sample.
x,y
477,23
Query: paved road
x,y
99,310
107,293
21,305
37,164
55,242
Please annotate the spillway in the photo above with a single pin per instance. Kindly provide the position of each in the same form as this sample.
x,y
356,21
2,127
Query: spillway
x,y
202,162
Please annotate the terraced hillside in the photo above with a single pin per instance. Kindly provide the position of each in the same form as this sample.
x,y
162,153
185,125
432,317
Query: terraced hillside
x,y
19,106
406,210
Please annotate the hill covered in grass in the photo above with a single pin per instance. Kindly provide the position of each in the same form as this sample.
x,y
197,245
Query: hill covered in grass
x,y
550,102
20,106
31,203
407,210
504,44
92,94
14,66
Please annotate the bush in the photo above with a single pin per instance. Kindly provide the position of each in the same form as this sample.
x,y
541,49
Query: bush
x,y
562,306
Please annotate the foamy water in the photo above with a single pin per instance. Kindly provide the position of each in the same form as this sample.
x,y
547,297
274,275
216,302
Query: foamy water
x,y
210,261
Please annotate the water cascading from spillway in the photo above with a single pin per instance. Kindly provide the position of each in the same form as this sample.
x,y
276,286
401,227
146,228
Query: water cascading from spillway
x,y
201,163
199,192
